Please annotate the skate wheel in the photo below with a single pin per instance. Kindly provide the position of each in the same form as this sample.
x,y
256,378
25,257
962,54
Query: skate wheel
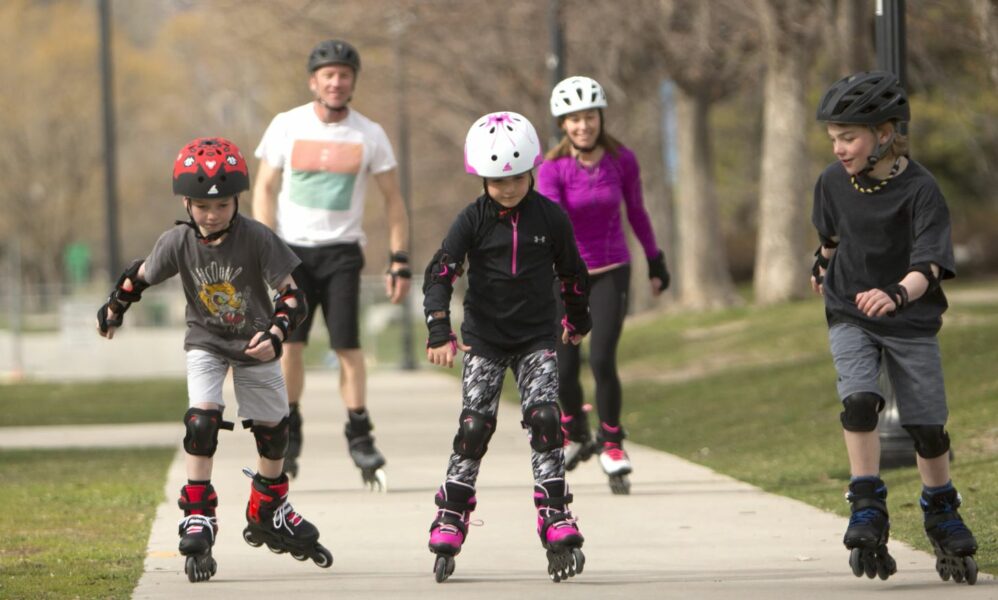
x,y
443,566
943,569
620,484
957,576
199,568
578,560
248,536
970,567
276,550
376,480
323,558
856,562
870,564
299,556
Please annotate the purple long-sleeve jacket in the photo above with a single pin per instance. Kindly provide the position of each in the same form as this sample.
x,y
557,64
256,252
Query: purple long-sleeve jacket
x,y
592,199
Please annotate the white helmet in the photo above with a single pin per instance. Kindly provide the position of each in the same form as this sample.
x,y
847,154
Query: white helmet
x,y
575,94
501,144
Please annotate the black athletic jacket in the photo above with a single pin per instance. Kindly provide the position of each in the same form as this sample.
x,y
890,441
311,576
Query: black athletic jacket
x,y
513,256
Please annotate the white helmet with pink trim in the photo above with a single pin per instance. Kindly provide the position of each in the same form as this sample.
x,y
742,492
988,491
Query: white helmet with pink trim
x,y
501,144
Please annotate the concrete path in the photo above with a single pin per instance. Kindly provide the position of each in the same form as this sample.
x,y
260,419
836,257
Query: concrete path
x,y
684,532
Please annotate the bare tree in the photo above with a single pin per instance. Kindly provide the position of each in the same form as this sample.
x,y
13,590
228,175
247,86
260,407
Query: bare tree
x,y
789,29
853,48
987,33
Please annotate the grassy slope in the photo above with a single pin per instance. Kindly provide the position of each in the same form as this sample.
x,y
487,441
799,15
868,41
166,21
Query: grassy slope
x,y
30,404
77,521
750,392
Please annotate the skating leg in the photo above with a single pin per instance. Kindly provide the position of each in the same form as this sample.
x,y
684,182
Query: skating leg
x,y
579,444
273,521
952,541
198,529
869,529
361,445
558,530
294,442
615,462
455,501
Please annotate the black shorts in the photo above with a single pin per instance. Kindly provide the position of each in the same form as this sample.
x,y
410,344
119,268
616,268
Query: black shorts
x,y
330,278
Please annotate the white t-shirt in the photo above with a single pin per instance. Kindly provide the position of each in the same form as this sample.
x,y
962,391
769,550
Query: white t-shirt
x,y
325,170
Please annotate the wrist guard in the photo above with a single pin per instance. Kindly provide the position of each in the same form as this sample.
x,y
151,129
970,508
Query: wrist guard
x,y
439,331
657,268
899,294
121,299
399,257
288,318
820,262
575,296
274,340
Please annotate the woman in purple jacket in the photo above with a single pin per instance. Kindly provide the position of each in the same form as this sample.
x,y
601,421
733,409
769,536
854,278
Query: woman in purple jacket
x,y
590,174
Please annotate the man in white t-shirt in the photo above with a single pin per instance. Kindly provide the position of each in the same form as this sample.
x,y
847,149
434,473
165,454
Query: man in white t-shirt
x,y
315,161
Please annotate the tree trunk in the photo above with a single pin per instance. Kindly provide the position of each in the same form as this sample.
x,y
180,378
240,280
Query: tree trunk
x,y
781,256
852,22
701,273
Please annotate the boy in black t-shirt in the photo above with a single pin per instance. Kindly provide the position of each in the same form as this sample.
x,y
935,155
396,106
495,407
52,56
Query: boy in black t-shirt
x,y
226,263
885,246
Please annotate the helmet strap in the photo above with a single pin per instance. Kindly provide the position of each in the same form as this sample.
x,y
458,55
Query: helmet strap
x,y
879,150
211,237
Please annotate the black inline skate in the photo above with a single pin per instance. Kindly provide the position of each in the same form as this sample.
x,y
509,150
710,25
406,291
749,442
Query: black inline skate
x,y
362,451
869,529
455,501
198,529
615,462
952,540
294,442
579,443
557,529
271,520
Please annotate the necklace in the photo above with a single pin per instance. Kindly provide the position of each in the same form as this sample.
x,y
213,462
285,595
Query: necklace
x,y
871,190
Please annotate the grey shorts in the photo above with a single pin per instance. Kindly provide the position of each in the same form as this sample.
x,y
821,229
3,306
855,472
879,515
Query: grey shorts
x,y
260,391
914,367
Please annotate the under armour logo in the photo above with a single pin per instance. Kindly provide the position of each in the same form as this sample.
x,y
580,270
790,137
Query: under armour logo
x,y
540,239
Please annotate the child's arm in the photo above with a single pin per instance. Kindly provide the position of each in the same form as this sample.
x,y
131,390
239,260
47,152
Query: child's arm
x,y
574,276
127,290
445,267
290,310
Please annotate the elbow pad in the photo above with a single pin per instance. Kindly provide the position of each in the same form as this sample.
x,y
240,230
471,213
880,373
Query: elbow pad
x,y
442,269
286,317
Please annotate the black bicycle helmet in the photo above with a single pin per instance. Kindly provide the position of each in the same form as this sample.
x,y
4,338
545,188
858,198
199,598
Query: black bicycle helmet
x,y
868,98
334,52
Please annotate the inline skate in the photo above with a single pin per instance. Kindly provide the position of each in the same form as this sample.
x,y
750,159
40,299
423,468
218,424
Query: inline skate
x,y
952,541
271,520
558,530
197,530
869,529
455,501
613,459
294,442
579,444
367,458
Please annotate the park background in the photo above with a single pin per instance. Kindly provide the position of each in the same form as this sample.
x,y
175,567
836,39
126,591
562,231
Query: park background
x,y
716,98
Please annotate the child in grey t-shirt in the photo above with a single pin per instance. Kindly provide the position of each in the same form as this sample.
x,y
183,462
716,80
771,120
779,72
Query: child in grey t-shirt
x,y
226,263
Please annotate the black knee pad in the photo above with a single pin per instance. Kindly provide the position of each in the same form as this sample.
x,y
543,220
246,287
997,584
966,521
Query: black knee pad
x,y
202,431
544,423
860,411
473,434
271,442
931,441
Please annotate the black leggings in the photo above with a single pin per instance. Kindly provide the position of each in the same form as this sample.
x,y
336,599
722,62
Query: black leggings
x,y
608,303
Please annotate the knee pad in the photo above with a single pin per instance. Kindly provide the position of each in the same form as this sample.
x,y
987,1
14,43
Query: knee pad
x,y
271,442
202,431
860,411
544,423
931,441
473,434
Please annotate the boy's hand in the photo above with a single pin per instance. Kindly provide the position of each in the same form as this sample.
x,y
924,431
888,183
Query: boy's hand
x,y
112,320
443,355
875,303
567,336
262,346
816,287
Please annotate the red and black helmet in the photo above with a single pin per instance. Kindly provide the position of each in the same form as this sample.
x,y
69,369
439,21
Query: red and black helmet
x,y
210,168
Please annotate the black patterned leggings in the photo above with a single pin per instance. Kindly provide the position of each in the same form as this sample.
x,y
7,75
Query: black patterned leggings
x,y
537,379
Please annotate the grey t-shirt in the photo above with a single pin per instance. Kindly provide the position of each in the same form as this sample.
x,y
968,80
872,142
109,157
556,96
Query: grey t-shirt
x,y
228,300
881,235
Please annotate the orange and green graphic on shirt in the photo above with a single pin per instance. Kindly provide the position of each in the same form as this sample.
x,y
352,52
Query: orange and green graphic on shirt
x,y
323,173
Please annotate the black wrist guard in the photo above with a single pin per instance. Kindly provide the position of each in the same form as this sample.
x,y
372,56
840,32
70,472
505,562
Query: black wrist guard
x,y
899,294
820,262
286,317
439,331
274,340
657,268
399,257
121,299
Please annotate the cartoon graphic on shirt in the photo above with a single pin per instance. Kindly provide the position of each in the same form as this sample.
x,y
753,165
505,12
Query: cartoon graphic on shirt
x,y
227,307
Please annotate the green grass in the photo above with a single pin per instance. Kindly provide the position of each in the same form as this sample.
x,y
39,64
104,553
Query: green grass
x,y
30,404
750,392
76,522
